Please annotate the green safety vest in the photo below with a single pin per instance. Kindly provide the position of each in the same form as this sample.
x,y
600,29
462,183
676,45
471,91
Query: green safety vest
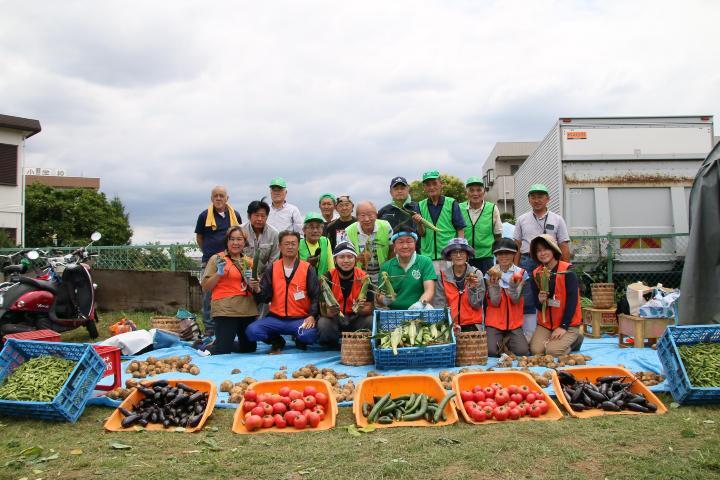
x,y
323,248
382,239
480,234
433,242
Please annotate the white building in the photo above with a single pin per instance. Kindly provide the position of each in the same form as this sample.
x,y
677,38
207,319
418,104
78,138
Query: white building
x,y
13,132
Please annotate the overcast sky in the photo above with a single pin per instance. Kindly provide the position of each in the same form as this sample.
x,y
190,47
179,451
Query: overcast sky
x,y
163,100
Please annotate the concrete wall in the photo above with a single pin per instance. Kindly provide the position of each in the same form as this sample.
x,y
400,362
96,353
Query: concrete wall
x,y
162,292
11,197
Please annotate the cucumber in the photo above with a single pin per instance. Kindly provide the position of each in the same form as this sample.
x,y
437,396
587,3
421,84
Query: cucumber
x,y
441,406
419,413
378,407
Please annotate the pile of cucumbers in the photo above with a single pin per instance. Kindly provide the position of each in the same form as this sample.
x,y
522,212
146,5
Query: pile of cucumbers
x,y
406,408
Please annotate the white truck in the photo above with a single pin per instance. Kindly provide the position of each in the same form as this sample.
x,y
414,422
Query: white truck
x,y
624,176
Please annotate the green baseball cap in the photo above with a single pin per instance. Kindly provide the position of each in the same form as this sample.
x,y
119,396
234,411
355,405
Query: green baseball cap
x,y
538,188
278,182
327,195
313,217
474,181
432,174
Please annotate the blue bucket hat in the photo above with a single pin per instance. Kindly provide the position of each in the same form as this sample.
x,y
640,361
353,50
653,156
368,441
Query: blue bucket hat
x,y
458,244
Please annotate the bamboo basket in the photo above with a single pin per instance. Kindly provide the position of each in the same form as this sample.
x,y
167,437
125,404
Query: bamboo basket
x,y
171,324
356,349
471,348
603,295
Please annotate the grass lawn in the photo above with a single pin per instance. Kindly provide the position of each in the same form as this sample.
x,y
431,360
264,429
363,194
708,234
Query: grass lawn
x,y
685,443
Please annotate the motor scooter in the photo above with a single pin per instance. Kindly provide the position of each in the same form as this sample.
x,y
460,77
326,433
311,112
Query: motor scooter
x,y
62,298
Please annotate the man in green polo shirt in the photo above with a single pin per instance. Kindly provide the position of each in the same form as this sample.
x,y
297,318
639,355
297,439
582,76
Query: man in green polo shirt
x,y
314,248
444,213
482,224
412,276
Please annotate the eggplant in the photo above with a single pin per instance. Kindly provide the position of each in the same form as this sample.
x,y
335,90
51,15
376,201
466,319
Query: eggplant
x,y
199,409
636,408
651,406
609,407
154,418
148,392
609,379
194,421
129,420
566,378
166,423
596,396
568,397
186,388
577,396
160,383
125,413
179,400
171,394
196,396
579,407
587,400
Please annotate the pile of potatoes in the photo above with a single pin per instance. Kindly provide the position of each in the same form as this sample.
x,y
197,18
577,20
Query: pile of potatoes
x,y
649,378
155,366
548,361
236,390
342,392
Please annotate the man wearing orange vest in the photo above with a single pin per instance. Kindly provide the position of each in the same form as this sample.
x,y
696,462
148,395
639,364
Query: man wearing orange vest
x,y
460,287
346,281
292,289
504,309
558,323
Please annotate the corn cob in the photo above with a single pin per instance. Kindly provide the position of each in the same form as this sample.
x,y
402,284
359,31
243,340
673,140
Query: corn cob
x,y
542,279
386,286
256,262
327,294
363,293
427,223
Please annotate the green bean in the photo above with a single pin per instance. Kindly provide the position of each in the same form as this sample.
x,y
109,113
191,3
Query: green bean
x,y
39,379
702,363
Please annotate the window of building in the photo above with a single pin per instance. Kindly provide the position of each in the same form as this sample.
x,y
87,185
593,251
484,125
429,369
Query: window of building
x,y
514,169
11,234
8,164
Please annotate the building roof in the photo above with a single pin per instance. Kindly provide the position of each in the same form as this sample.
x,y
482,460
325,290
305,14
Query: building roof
x,y
18,123
92,183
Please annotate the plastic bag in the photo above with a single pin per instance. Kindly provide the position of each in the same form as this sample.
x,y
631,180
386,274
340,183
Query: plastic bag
x,y
661,305
123,326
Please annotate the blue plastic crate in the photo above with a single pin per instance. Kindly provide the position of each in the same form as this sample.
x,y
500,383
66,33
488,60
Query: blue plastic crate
x,y
432,356
680,387
70,402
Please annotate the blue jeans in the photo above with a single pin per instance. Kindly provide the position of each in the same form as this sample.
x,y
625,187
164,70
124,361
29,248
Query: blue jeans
x,y
268,327
529,265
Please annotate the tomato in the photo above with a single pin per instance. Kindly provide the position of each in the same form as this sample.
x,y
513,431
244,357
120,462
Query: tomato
x,y
478,396
501,413
290,417
534,411
300,422
511,404
467,396
306,412
539,394
543,405
523,406
514,413
516,397
294,394
531,397
478,415
313,419
250,395
524,390
263,397
267,408
489,392
280,408
253,422
298,405
309,401
268,421
488,412
286,400
318,409
496,386
309,391
502,397
247,406
470,405
477,388
275,398
280,421
513,389
258,410
284,391
321,398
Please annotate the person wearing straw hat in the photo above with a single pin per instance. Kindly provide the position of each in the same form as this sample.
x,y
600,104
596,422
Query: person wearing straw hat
x,y
315,248
283,215
504,307
346,282
460,287
327,204
482,223
557,299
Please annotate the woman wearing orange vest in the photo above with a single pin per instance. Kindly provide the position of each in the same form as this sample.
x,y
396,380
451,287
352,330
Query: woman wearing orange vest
x,y
292,289
459,286
232,306
504,308
558,330
346,281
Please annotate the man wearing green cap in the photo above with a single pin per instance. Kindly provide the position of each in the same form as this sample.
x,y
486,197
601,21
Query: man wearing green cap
x,y
314,248
530,225
283,215
327,203
482,224
444,213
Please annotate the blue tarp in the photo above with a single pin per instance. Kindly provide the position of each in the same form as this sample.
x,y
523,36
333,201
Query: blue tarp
x,y
261,366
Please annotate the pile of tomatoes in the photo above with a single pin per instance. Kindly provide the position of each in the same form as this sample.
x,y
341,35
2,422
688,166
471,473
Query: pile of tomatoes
x,y
287,408
496,402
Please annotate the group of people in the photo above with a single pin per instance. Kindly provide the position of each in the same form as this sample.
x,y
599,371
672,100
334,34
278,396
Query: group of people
x,y
435,253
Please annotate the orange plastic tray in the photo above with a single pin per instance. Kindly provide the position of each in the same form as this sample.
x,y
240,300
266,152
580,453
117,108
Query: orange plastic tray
x,y
591,374
113,423
274,386
401,385
466,381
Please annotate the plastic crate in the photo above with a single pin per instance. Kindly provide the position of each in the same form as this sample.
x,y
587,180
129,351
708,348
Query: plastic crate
x,y
112,359
432,356
70,402
680,387
38,335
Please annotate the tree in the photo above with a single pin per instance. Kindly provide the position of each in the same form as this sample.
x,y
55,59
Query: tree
x,y
452,187
69,216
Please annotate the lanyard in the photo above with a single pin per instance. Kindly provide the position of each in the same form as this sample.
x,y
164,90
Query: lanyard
x,y
547,214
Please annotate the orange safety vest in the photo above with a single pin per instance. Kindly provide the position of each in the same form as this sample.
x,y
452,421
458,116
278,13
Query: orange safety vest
x,y
232,283
461,311
283,303
346,303
506,316
553,315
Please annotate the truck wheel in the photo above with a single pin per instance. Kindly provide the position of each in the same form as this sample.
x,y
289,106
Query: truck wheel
x,y
92,327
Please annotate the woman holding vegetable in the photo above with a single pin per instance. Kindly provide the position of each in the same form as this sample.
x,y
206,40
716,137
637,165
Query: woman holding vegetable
x,y
232,305
347,298
460,287
557,293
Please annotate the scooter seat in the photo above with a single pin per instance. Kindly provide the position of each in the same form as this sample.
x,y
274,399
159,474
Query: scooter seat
x,y
39,284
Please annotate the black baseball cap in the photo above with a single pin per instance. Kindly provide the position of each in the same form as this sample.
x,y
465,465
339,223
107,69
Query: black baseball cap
x,y
398,180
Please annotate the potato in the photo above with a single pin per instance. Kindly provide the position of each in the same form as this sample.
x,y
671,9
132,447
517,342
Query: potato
x,y
226,386
194,370
235,371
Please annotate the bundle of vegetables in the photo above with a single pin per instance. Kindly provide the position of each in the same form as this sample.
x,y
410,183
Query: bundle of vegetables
x,y
38,379
327,295
702,363
406,408
542,279
362,295
610,393
414,333
495,402
179,406
288,407
410,213
386,286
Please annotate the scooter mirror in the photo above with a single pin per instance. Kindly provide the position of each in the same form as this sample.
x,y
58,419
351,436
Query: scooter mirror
x,y
33,255
95,236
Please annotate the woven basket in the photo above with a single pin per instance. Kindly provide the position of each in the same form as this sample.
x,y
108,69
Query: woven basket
x,y
603,295
356,348
471,348
171,324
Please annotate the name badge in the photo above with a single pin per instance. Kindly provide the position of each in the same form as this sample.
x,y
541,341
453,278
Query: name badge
x,y
299,295
553,302
549,227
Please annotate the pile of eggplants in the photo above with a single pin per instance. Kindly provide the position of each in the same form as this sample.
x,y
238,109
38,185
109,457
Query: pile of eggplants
x,y
610,393
170,406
